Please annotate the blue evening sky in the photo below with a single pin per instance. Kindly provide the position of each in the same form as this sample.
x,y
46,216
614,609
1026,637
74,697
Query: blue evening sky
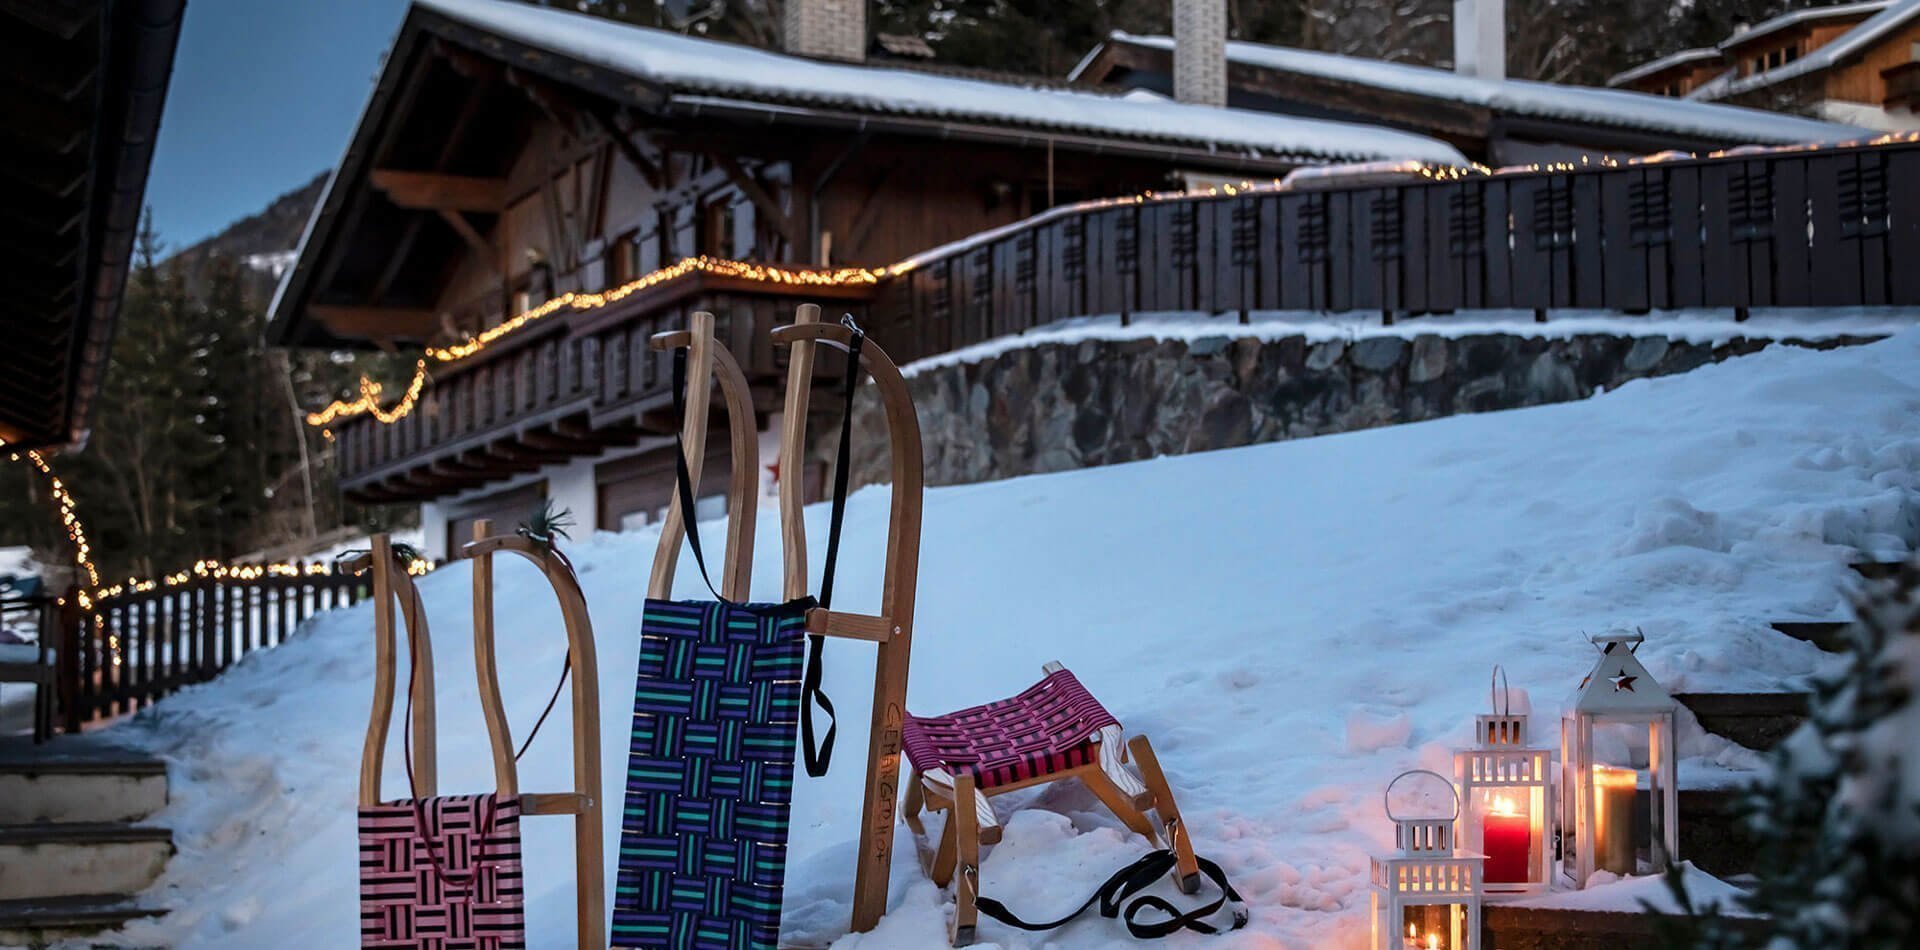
x,y
264,96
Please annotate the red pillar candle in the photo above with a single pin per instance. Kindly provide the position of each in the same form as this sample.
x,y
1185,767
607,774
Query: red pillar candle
x,y
1507,836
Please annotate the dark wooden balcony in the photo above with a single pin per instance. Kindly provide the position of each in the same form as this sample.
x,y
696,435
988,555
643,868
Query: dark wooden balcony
x,y
1903,85
1811,228
570,385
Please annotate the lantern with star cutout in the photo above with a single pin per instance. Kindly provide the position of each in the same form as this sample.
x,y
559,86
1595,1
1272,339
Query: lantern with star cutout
x,y
1616,748
1506,797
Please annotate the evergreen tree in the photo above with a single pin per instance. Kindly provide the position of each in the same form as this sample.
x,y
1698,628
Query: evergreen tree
x,y
1837,826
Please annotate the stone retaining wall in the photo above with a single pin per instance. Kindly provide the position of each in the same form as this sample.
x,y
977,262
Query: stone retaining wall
x,y
1058,406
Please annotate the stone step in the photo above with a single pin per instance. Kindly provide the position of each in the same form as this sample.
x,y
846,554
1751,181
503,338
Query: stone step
x,y
81,790
1828,635
1712,833
44,921
1877,570
1755,720
46,860
1544,928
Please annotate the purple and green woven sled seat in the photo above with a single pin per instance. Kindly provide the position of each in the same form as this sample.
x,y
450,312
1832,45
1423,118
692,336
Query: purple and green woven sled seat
x,y
710,776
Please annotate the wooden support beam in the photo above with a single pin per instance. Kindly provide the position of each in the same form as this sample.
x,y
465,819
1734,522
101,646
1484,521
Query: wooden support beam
x,y
480,245
377,323
647,166
435,191
762,200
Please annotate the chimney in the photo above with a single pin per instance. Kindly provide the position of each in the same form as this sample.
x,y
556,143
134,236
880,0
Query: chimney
x,y
1480,38
1200,51
827,29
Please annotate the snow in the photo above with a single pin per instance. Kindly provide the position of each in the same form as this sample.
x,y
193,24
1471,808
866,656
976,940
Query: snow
x,y
692,67
1632,895
1648,68
1694,326
271,262
1796,17
17,562
1294,624
1869,32
1616,107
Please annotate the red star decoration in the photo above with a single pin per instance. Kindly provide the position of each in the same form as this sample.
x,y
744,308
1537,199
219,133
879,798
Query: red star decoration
x,y
1622,682
774,470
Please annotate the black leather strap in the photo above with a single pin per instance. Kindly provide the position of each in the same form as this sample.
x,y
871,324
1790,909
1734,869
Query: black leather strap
x,y
1130,880
819,755
682,474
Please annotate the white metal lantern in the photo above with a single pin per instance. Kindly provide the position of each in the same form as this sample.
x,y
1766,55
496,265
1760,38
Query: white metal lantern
x,y
1426,895
1506,799
1616,741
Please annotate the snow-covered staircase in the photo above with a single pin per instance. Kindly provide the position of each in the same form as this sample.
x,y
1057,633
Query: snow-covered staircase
x,y
75,842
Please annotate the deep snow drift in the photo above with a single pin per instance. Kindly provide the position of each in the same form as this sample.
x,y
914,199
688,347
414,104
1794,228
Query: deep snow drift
x,y
1293,623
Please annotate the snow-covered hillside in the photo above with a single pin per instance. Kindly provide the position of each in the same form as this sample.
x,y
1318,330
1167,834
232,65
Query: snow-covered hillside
x,y
1293,623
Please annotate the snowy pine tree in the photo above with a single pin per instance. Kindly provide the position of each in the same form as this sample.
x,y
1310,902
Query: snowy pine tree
x,y
1837,827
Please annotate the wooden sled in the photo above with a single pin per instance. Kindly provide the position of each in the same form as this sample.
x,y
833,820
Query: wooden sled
x,y
392,586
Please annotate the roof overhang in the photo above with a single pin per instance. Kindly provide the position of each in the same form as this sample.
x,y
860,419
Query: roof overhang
x,y
82,86
426,28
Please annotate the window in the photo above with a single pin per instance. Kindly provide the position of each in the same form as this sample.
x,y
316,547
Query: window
x,y
623,259
716,226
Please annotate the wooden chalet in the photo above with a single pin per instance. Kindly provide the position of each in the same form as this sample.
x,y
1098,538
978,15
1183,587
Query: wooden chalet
x,y
1857,63
511,155
81,89
1494,120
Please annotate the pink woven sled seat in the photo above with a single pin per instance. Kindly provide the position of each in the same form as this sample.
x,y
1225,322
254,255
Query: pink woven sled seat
x,y
1052,731
1050,727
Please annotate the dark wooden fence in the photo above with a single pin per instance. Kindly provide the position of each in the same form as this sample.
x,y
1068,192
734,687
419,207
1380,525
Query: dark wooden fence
x,y
1813,228
137,646
1816,228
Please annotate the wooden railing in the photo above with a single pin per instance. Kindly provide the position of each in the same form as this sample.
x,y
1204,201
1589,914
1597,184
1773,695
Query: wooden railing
x,y
1813,228
137,646
1835,227
560,388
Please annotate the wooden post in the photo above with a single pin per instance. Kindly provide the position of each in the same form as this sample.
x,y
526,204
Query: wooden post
x,y
693,436
68,626
793,458
875,854
486,667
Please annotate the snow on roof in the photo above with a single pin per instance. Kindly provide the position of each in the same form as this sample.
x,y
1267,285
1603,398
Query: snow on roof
x,y
1664,63
691,67
1615,107
1858,39
1808,15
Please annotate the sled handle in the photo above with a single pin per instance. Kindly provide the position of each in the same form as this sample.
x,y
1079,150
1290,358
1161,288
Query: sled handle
x,y
706,358
392,584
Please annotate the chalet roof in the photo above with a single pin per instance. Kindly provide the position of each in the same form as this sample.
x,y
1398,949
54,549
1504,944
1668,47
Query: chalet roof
x,y
692,71
1857,40
1685,57
1794,18
81,89
1617,108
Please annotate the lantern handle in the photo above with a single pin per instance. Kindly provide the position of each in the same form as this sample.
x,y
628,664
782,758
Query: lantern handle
x,y
1386,797
1499,694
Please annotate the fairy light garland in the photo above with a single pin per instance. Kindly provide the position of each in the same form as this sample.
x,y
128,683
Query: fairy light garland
x,y
581,301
